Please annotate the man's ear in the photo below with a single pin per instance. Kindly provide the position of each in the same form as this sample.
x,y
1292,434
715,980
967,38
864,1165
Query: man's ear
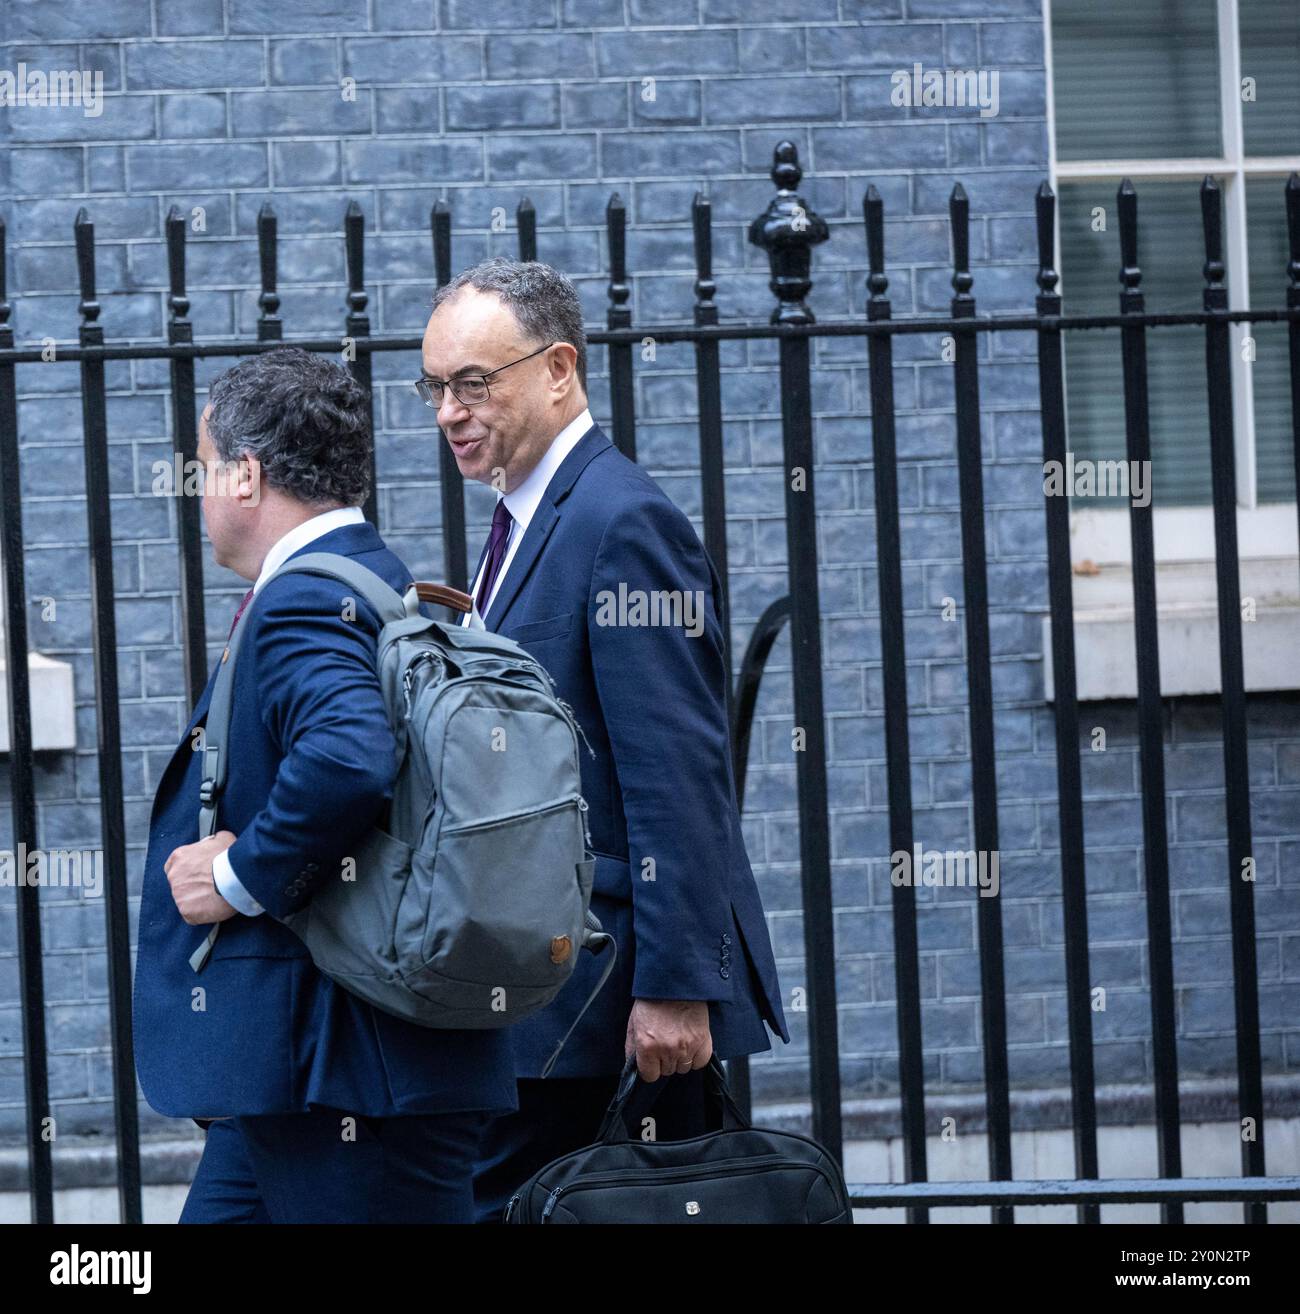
x,y
564,367
248,487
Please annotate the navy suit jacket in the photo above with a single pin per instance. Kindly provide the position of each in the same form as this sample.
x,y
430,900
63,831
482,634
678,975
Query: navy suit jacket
x,y
651,700
312,763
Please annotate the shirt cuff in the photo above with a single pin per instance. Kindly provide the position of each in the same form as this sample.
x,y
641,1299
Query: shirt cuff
x,y
230,889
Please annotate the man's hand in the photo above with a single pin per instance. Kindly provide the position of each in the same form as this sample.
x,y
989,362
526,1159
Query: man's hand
x,y
668,1036
189,873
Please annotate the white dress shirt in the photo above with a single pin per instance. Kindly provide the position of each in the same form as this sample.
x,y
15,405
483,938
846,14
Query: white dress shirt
x,y
228,884
524,501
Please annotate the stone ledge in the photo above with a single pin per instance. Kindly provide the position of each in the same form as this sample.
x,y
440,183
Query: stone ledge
x,y
172,1161
1042,1110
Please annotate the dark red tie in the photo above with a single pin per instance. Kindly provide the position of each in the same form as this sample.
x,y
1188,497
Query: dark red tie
x,y
501,522
248,597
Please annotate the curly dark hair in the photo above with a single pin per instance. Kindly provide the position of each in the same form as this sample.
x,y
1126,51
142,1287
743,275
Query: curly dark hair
x,y
305,418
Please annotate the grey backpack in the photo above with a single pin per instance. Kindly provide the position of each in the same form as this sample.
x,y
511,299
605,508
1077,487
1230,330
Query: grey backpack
x,y
469,907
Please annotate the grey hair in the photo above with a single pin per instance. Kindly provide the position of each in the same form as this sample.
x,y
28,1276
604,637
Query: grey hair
x,y
543,301
305,418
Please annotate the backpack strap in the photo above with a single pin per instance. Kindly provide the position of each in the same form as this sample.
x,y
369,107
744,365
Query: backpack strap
x,y
216,734
596,940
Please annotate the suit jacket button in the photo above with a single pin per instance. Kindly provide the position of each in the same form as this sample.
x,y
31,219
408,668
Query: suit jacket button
x,y
723,973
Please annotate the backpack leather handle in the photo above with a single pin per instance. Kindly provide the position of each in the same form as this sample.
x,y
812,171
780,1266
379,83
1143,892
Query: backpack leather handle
x,y
443,595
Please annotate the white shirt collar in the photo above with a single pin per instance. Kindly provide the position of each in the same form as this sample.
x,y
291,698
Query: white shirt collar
x,y
523,502
307,532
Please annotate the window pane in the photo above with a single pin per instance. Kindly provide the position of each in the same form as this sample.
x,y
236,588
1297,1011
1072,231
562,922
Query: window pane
x,y
1136,80
1271,375
1170,254
1270,53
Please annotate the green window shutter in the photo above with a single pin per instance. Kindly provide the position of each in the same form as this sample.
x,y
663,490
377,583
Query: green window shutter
x,y
1170,254
1271,372
1136,80
1270,54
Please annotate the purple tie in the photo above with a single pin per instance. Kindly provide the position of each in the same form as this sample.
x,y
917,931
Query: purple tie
x,y
248,597
501,522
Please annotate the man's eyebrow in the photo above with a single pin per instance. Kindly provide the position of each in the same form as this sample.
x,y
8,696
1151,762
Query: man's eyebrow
x,y
473,368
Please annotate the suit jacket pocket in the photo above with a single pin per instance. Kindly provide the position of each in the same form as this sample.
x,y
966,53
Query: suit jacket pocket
x,y
554,627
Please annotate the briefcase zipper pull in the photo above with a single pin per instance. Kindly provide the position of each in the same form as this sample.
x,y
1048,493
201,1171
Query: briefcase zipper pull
x,y
551,1201
510,1207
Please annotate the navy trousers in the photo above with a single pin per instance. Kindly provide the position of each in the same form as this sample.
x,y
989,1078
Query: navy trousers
x,y
558,1115
300,1168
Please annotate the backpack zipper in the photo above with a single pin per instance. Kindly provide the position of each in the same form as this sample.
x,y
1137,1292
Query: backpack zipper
x,y
756,1165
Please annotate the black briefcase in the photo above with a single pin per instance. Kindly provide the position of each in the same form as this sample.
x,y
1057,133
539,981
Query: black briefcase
x,y
741,1174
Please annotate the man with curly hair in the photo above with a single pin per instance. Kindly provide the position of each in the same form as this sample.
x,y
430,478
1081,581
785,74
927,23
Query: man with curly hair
x,y
318,1107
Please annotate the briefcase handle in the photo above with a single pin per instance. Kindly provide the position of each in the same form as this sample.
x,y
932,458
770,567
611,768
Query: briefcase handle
x,y
635,1098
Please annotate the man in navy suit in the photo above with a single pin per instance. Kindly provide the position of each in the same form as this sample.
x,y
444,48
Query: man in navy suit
x,y
318,1107
594,571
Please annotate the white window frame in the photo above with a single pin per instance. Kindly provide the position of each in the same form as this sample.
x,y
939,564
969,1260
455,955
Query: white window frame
x,y
1184,534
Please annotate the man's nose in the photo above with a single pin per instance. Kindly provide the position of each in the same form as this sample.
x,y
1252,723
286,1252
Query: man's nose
x,y
450,409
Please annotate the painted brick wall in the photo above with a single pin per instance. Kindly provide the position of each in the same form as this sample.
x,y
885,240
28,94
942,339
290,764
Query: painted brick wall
x,y
219,105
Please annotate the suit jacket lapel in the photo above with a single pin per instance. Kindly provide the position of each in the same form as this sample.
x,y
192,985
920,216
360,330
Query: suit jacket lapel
x,y
543,522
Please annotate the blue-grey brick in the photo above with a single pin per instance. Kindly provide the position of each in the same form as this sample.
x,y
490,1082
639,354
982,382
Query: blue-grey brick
x,y
307,61
502,108
409,109
771,49
194,116
404,15
863,9
665,54
591,13
539,156
1011,43
753,100
671,101
890,46
421,59
129,117
991,191
274,16
304,163
1015,143
913,145
167,65
299,113
411,161
36,20
539,57
154,168
105,169
773,11
190,17
596,104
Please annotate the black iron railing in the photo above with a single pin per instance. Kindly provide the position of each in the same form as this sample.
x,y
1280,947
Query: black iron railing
x,y
788,231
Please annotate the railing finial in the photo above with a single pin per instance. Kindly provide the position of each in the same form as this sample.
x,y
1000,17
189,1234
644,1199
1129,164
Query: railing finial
x,y
788,230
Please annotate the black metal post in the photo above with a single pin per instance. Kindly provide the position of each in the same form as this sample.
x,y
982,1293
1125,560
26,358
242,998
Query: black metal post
x,y
108,724
451,483
979,684
787,230
1236,769
358,330
526,223
621,383
31,972
1155,848
893,656
1065,704
269,327
185,434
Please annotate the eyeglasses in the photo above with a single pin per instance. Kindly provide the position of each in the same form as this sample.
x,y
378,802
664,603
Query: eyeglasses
x,y
468,389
